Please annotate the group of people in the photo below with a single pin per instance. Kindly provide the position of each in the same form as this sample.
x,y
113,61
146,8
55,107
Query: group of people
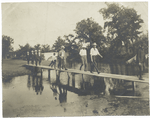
x,y
83,53
34,56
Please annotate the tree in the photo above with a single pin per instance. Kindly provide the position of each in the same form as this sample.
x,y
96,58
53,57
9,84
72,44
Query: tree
x,y
122,24
21,53
58,43
89,31
37,47
6,45
45,48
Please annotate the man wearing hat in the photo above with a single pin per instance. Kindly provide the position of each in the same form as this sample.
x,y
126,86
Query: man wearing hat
x,y
32,53
83,54
94,53
140,59
39,57
62,58
36,57
28,57
74,54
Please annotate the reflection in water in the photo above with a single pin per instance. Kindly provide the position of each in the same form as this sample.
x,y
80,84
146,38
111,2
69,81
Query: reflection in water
x,y
29,82
96,87
37,83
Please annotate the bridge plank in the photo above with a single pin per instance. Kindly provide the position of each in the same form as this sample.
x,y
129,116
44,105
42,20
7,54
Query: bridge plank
x,y
106,75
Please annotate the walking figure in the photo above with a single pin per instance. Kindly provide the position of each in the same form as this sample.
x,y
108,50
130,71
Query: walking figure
x,y
39,57
62,58
83,54
94,53
28,57
53,62
140,60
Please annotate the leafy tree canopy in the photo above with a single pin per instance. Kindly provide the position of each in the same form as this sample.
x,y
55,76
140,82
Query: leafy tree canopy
x,y
89,31
6,45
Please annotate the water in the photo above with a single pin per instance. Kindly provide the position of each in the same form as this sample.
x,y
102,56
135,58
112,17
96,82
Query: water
x,y
33,94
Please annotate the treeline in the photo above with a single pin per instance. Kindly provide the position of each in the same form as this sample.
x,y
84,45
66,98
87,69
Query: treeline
x,y
7,49
118,40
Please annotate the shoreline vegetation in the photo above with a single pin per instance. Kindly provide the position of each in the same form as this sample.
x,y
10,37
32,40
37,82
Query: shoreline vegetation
x,y
14,67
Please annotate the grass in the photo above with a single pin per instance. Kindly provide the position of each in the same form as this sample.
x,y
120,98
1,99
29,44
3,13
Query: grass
x,y
14,67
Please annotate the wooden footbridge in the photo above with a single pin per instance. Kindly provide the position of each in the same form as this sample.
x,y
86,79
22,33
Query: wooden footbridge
x,y
106,75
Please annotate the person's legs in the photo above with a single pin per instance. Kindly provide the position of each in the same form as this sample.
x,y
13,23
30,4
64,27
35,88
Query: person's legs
x,y
95,64
82,59
51,63
85,63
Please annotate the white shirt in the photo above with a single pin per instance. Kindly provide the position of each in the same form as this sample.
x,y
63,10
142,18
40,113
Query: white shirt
x,y
94,52
82,52
53,57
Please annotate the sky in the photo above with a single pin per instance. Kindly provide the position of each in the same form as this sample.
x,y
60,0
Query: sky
x,y
43,22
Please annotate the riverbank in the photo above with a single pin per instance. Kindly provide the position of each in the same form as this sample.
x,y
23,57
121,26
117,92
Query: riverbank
x,y
14,67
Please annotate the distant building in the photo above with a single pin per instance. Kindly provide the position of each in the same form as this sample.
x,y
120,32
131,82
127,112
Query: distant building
x,y
48,55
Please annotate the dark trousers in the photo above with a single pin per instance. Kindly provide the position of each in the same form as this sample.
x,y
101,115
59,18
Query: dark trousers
x,y
94,64
52,63
61,63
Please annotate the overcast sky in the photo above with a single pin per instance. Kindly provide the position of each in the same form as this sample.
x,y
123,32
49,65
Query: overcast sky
x,y
42,23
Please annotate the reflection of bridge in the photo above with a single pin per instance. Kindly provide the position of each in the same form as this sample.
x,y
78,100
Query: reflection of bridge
x,y
107,75
127,78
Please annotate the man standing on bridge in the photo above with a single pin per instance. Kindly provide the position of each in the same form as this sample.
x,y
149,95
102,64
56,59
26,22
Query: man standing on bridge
x,y
83,54
140,59
32,56
28,57
62,58
94,53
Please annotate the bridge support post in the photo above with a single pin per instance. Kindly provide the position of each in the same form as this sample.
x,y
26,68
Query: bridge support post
x,y
49,75
134,88
73,80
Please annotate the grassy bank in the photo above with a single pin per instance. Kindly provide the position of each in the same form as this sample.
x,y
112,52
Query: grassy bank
x,y
12,68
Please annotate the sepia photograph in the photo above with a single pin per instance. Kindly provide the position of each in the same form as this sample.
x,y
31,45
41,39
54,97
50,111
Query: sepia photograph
x,y
72,59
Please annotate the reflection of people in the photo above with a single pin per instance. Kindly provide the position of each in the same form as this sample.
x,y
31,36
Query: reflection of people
x,y
62,95
94,53
28,57
39,86
83,54
29,82
55,92
33,82
62,58
53,62
140,59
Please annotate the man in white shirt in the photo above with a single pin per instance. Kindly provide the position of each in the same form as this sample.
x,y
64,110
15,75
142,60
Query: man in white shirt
x,y
53,62
83,54
94,53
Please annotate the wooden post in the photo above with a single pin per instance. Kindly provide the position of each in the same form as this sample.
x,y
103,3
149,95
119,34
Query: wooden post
x,y
68,78
49,74
58,77
73,80
134,88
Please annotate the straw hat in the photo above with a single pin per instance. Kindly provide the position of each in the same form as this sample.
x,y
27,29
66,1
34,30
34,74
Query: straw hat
x,y
62,47
83,46
94,44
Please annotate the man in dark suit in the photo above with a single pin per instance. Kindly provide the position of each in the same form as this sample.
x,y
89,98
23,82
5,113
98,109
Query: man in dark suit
x,y
140,59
